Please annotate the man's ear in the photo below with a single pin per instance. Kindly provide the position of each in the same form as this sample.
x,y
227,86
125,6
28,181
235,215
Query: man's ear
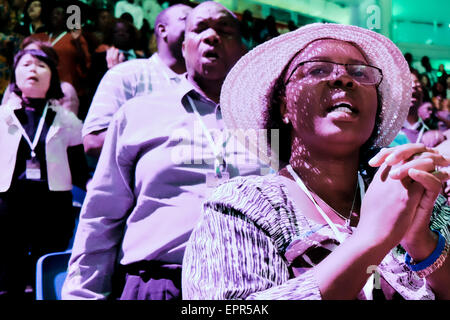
x,y
183,50
162,32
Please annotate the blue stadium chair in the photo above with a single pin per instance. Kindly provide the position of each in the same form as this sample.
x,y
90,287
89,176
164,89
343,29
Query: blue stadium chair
x,y
51,270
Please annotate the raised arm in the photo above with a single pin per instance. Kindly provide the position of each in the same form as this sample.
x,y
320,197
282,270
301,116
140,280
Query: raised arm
x,y
236,252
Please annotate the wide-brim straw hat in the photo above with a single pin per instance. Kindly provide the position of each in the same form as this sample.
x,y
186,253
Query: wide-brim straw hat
x,y
247,90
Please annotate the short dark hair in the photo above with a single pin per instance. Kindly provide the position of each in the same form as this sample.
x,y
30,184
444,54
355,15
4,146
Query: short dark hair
x,y
46,55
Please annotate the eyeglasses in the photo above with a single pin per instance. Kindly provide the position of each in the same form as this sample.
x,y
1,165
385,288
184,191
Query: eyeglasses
x,y
320,70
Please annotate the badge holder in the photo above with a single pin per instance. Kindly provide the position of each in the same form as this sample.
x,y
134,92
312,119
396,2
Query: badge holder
x,y
220,175
33,168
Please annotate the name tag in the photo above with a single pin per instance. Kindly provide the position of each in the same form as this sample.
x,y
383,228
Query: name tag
x,y
33,170
212,180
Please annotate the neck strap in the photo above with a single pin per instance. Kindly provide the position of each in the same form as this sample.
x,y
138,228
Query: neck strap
x,y
302,186
37,134
218,152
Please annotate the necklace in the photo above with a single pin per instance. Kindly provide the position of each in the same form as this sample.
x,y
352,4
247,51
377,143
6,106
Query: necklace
x,y
348,219
302,185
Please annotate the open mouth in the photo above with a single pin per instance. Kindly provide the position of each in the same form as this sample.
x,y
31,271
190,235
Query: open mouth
x,y
33,78
211,55
343,107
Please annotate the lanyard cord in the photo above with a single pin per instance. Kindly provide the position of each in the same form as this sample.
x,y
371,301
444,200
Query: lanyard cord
x,y
301,184
422,130
57,38
37,134
368,287
217,153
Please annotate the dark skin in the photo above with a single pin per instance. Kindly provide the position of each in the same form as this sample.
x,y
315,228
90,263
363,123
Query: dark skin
x,y
324,152
211,47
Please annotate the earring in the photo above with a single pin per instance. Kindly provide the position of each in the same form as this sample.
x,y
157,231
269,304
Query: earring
x,y
286,119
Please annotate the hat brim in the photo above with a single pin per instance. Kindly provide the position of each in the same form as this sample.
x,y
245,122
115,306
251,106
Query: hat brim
x,y
246,92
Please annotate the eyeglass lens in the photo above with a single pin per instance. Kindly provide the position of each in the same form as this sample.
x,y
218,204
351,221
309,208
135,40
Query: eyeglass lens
x,y
363,74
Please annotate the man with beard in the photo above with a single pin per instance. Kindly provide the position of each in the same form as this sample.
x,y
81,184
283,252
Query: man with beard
x,y
160,73
163,155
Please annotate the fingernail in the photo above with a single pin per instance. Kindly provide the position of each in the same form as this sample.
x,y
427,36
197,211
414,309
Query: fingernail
x,y
373,161
389,159
394,172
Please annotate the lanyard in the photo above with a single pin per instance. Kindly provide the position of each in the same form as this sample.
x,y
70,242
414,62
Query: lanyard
x,y
57,38
368,287
299,181
218,154
422,130
38,131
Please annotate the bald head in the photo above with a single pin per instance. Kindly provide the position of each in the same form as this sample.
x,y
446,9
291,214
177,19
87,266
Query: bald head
x,y
172,16
212,45
208,6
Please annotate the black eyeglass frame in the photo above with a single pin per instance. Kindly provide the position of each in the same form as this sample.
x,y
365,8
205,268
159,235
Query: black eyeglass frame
x,y
341,64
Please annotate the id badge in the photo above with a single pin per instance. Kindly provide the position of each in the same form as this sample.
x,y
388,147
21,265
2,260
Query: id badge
x,y
212,180
33,169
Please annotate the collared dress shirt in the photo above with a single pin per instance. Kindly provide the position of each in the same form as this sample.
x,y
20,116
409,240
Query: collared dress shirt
x,y
123,82
147,191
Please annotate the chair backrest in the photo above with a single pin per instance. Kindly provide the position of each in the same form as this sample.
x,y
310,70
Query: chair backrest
x,y
51,271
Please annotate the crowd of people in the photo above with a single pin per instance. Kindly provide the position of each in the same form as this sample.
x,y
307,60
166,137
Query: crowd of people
x,y
221,159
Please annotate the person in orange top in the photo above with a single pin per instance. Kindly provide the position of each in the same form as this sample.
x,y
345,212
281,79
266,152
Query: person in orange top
x,y
72,50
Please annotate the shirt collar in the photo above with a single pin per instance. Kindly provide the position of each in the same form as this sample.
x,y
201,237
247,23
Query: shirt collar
x,y
169,72
413,126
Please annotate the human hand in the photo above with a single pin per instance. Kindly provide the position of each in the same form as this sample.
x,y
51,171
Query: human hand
x,y
114,57
388,209
432,138
419,163
75,33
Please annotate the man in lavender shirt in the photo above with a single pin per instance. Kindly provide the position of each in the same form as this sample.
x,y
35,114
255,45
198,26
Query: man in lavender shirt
x,y
159,162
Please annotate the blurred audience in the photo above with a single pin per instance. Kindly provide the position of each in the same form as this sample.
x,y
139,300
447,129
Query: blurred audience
x,y
270,29
247,24
133,9
426,87
103,25
35,18
161,72
16,15
151,9
119,46
9,42
72,50
432,76
442,75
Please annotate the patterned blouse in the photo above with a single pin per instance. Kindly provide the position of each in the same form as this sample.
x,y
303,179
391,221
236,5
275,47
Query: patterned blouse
x,y
259,246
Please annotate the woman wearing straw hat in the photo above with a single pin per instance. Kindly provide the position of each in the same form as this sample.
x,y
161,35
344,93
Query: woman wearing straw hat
x,y
326,226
